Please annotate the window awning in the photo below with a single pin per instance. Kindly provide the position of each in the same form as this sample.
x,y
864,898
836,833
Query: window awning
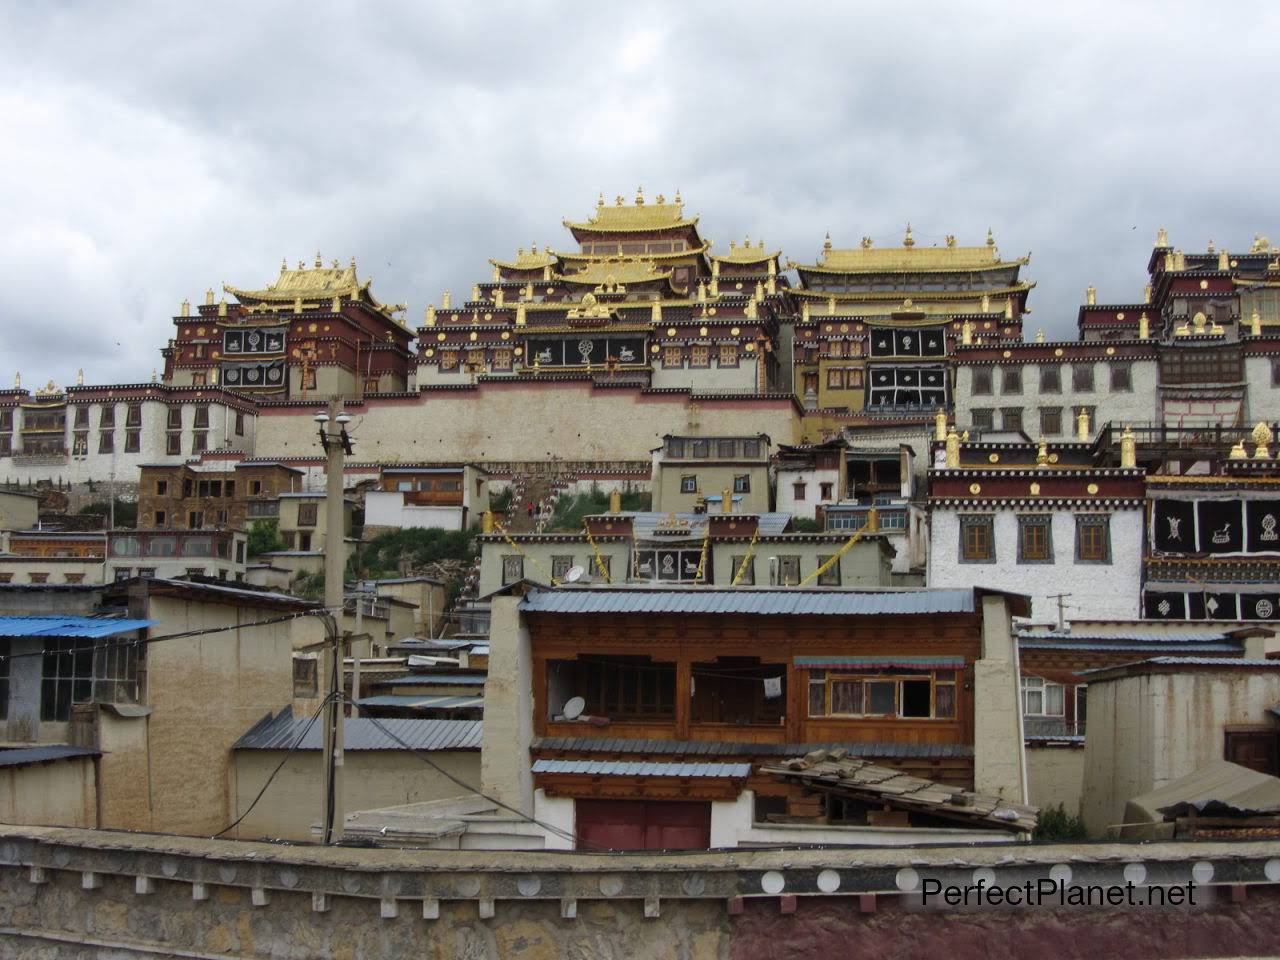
x,y
879,663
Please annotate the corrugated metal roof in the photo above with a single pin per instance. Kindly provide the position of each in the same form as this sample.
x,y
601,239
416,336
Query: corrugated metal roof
x,y
1155,632
445,679
281,731
80,627
417,702
644,524
1137,645
624,768
721,748
22,756
775,601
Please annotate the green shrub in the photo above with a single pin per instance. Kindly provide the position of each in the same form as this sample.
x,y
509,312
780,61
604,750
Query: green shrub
x,y
264,537
1057,826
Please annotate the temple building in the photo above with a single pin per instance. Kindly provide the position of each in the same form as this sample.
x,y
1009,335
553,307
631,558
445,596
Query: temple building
x,y
315,331
641,301
877,326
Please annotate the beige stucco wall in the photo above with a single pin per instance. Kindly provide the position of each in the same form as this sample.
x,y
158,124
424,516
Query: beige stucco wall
x,y
371,779
538,559
1055,775
1149,729
523,421
429,597
712,481
508,708
997,736
60,793
55,569
205,692
18,511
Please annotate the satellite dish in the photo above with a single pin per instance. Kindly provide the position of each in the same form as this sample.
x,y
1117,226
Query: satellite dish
x,y
573,575
573,709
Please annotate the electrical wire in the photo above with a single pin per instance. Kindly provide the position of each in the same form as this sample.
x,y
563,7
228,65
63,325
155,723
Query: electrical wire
x,y
111,642
457,781
280,766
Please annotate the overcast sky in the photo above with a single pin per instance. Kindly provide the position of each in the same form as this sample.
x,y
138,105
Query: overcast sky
x,y
151,150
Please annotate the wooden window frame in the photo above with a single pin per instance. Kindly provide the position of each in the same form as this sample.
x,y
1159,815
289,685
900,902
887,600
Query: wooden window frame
x,y
972,542
1093,522
1035,539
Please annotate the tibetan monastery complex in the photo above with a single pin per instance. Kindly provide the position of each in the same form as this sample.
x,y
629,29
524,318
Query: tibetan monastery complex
x,y
640,330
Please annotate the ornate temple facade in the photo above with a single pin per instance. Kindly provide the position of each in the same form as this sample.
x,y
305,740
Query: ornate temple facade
x,y
640,301
876,327
314,332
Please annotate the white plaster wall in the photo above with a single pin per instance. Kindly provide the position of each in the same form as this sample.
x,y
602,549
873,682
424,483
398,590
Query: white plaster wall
x,y
1098,591
388,509
1264,399
813,480
1140,405
508,709
558,812
744,377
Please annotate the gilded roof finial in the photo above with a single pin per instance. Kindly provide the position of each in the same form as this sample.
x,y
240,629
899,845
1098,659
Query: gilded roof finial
x,y
302,265
826,244
1008,308
1082,426
80,377
1162,237
446,301
991,238
1128,449
1042,453
908,240
533,249
966,333
1091,295
1255,323
1262,437
1039,336
319,260
284,264
208,297
1224,263
600,199
153,374
639,196
953,448
1238,452
660,199
986,303
733,244
678,201
1211,250
353,263
1144,326
186,307
951,240
431,315
17,381
222,307
865,243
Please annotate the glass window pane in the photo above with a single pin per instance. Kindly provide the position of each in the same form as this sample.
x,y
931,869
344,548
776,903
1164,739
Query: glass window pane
x,y
944,700
882,697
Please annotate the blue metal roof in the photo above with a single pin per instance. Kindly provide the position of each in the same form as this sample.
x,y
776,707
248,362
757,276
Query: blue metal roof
x,y
22,756
633,768
282,731
79,627
769,601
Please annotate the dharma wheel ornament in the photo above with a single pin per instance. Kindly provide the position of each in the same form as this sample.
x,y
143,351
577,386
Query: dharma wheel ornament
x,y
1262,437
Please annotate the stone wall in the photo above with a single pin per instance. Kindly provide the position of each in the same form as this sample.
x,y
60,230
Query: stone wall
x,y
73,893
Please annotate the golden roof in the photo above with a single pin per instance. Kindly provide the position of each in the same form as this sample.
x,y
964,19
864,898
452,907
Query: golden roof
x,y
528,260
313,286
867,258
746,254
623,271
637,217
920,298
674,255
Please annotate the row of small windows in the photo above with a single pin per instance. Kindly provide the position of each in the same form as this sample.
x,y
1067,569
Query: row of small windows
x,y
783,571
1014,418
1082,379
741,483
723,449
1035,539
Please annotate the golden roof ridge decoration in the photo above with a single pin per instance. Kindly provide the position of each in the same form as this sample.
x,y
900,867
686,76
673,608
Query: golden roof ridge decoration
x,y
318,284
617,271
567,255
639,217
747,253
528,259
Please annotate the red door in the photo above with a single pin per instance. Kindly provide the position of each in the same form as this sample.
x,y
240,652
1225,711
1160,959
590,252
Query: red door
x,y
642,825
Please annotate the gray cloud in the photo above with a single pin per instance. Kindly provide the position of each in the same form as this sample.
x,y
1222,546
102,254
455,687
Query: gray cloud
x,y
154,150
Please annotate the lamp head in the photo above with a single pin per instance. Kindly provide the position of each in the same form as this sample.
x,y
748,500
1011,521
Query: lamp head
x,y
343,418
321,417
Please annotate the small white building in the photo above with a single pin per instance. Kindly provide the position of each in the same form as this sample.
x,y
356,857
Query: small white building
x,y
445,497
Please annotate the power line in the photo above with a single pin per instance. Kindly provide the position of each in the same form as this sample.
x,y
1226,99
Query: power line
x,y
111,642
280,766
457,781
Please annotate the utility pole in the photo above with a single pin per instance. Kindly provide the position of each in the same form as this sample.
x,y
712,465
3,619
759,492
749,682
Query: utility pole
x,y
336,444
1062,606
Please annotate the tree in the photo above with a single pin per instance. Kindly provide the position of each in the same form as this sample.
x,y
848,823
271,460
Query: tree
x,y
264,537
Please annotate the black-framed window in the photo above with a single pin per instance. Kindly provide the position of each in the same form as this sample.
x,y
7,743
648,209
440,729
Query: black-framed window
x,y
512,568
1035,539
1093,538
788,571
1122,377
982,418
1011,381
675,448
106,441
1011,418
726,449
1050,378
701,449
751,448
977,539
831,576
1082,377
742,483
132,441
746,565
560,565
1050,420
981,381
689,483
